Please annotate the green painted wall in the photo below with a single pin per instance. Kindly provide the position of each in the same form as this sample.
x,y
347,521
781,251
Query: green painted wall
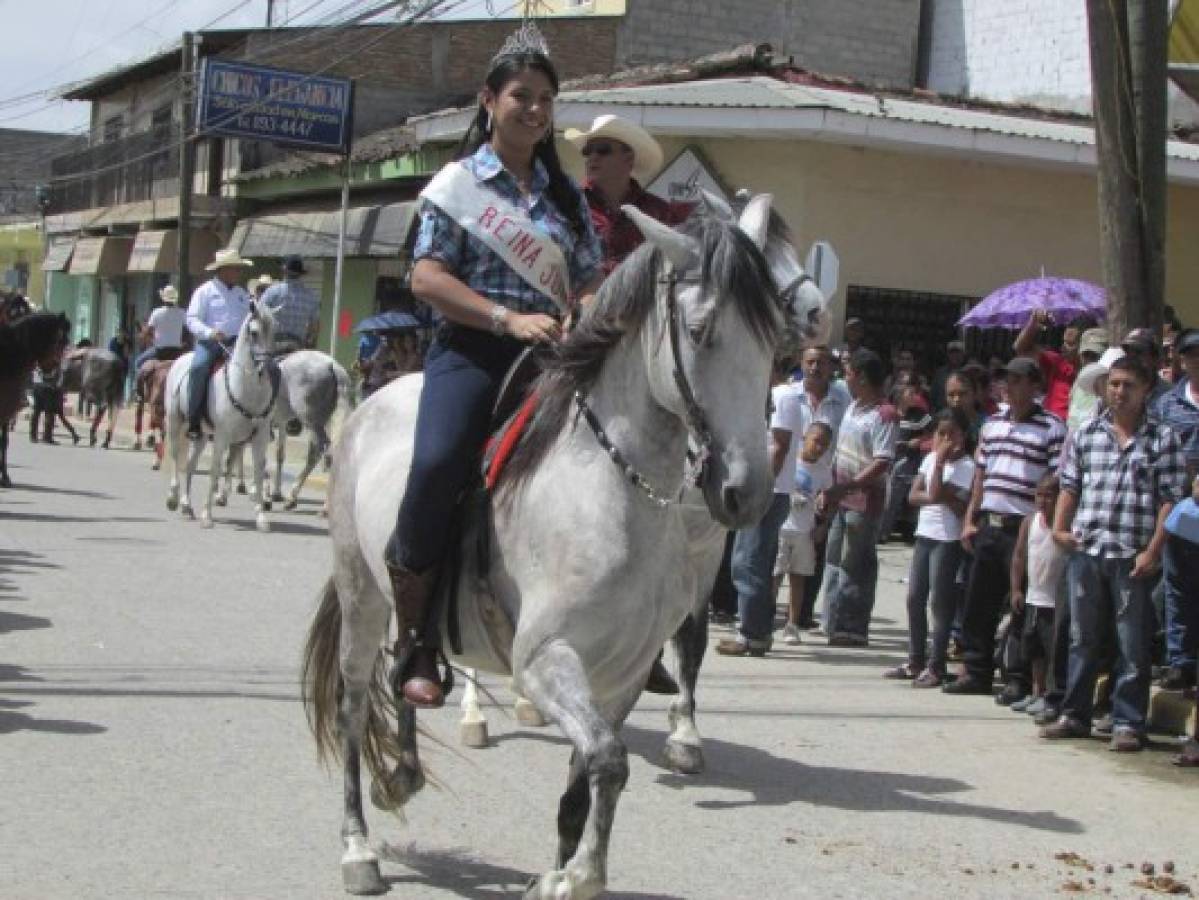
x,y
357,302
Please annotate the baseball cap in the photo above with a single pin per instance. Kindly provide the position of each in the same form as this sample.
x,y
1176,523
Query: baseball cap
x,y
1093,340
1188,340
956,345
1140,340
1022,365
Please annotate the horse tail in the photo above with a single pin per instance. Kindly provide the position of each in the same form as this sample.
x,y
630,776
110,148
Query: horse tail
x,y
321,689
320,674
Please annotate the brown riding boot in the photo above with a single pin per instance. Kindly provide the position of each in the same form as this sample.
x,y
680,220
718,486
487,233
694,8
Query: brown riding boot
x,y
415,674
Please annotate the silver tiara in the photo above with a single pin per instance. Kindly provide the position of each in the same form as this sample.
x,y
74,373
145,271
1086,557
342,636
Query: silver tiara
x,y
526,39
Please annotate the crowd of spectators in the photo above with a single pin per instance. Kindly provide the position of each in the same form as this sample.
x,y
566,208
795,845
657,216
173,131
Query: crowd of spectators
x,y
1050,499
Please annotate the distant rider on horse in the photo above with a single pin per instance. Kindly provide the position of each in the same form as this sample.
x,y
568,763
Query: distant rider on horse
x,y
215,315
297,309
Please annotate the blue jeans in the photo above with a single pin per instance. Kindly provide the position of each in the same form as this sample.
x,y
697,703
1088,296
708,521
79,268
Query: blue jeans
x,y
754,552
1103,596
1182,602
850,573
934,571
463,372
203,359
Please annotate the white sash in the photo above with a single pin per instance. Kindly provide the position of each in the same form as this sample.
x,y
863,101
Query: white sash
x,y
506,230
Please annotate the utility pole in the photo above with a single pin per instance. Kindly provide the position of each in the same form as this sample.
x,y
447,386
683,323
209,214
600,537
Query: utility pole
x,y
270,13
1128,86
187,167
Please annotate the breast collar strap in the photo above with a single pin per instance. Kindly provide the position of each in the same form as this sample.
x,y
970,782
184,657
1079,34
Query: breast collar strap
x,y
240,408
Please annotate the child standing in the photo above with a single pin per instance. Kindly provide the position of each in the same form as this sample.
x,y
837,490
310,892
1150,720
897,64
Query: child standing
x,y
798,537
1038,581
941,492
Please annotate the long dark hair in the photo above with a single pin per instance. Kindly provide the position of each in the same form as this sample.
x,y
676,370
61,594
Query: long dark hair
x,y
565,195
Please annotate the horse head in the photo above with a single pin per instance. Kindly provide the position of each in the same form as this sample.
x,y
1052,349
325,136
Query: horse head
x,y
49,334
721,321
807,308
258,330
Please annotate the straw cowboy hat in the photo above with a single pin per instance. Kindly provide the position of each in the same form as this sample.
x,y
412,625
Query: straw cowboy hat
x,y
647,154
169,294
227,257
264,281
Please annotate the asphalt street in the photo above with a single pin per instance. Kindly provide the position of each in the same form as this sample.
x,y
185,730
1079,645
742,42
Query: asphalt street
x,y
152,743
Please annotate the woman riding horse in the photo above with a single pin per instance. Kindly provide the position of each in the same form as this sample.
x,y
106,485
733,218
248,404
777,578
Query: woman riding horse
x,y
506,247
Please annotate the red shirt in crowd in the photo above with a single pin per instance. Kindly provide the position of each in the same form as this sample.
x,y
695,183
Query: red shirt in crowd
x,y
617,233
1058,374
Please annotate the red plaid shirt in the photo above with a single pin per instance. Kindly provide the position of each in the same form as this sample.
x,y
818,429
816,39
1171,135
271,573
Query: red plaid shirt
x,y
616,231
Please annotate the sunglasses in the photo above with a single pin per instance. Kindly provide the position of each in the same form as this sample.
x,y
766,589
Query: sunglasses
x,y
599,149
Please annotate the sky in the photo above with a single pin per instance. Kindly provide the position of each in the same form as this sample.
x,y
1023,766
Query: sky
x,y
51,43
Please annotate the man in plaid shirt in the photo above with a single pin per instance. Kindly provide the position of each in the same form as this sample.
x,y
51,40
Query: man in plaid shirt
x,y
1124,473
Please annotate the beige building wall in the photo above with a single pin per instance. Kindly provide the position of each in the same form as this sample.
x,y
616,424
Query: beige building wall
x,y
943,225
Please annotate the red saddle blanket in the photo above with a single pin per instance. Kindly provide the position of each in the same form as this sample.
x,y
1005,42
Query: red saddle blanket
x,y
501,445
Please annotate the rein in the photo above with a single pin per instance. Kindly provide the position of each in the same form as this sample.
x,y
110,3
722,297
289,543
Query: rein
x,y
236,403
693,413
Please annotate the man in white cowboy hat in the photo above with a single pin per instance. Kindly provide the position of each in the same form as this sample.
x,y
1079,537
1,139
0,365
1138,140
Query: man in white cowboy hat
x,y
215,315
163,331
618,154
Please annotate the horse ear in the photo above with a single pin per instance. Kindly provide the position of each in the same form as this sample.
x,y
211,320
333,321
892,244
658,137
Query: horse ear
x,y
680,249
755,219
715,205
253,309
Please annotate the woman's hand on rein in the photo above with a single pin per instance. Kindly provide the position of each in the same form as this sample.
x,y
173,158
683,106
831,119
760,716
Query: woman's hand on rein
x,y
534,328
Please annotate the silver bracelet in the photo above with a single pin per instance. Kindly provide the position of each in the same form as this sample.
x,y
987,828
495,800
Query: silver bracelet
x,y
499,319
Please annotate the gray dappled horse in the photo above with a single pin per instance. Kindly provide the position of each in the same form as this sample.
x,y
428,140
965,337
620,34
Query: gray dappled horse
x,y
585,575
313,385
99,377
239,405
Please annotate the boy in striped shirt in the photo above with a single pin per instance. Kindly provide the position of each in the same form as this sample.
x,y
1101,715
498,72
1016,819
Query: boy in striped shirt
x,y
1015,450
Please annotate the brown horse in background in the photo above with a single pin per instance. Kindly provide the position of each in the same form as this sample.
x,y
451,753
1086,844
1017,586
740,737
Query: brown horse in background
x,y
36,339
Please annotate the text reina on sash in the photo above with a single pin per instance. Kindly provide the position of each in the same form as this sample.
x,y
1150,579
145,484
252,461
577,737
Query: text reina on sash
x,y
526,247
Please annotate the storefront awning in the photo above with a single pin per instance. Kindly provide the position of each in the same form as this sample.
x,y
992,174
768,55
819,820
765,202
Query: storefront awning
x,y
105,256
58,254
379,231
155,250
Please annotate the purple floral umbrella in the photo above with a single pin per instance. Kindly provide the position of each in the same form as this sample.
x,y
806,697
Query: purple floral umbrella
x,y
1011,306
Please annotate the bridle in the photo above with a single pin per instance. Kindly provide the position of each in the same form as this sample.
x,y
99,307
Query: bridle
x,y
693,414
262,358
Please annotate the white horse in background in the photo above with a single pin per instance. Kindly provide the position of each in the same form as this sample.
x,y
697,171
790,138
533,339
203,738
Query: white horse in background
x,y
809,317
583,578
312,387
241,400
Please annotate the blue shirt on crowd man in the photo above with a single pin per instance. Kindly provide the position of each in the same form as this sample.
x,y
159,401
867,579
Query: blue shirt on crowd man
x,y
296,306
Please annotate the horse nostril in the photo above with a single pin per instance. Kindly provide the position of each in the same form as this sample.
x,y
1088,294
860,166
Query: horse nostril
x,y
731,498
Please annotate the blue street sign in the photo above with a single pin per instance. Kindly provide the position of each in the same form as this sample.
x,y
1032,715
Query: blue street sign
x,y
246,101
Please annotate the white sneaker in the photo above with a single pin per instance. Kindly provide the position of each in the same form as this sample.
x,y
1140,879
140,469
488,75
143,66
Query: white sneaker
x,y
791,635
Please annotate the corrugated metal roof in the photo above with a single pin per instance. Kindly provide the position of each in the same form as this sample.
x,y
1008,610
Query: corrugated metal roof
x,y
766,93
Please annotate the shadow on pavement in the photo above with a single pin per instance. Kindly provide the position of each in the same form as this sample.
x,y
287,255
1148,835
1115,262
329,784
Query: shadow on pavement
x,y
47,517
11,621
282,526
778,781
463,873
43,489
12,721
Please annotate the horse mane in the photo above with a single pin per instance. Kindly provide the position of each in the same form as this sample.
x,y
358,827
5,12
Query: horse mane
x,y
26,340
731,263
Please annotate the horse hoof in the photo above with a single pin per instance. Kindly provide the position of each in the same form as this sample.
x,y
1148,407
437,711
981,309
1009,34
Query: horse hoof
x,y
278,497
528,714
220,500
156,465
474,734
91,442
262,524
241,488
172,503
362,878
290,503
685,759
5,481
560,885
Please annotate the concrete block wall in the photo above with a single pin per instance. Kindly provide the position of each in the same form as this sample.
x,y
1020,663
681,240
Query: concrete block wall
x,y
1018,51
873,41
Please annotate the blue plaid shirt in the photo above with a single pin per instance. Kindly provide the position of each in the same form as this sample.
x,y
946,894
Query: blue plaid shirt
x,y
1120,491
296,307
1176,410
443,239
